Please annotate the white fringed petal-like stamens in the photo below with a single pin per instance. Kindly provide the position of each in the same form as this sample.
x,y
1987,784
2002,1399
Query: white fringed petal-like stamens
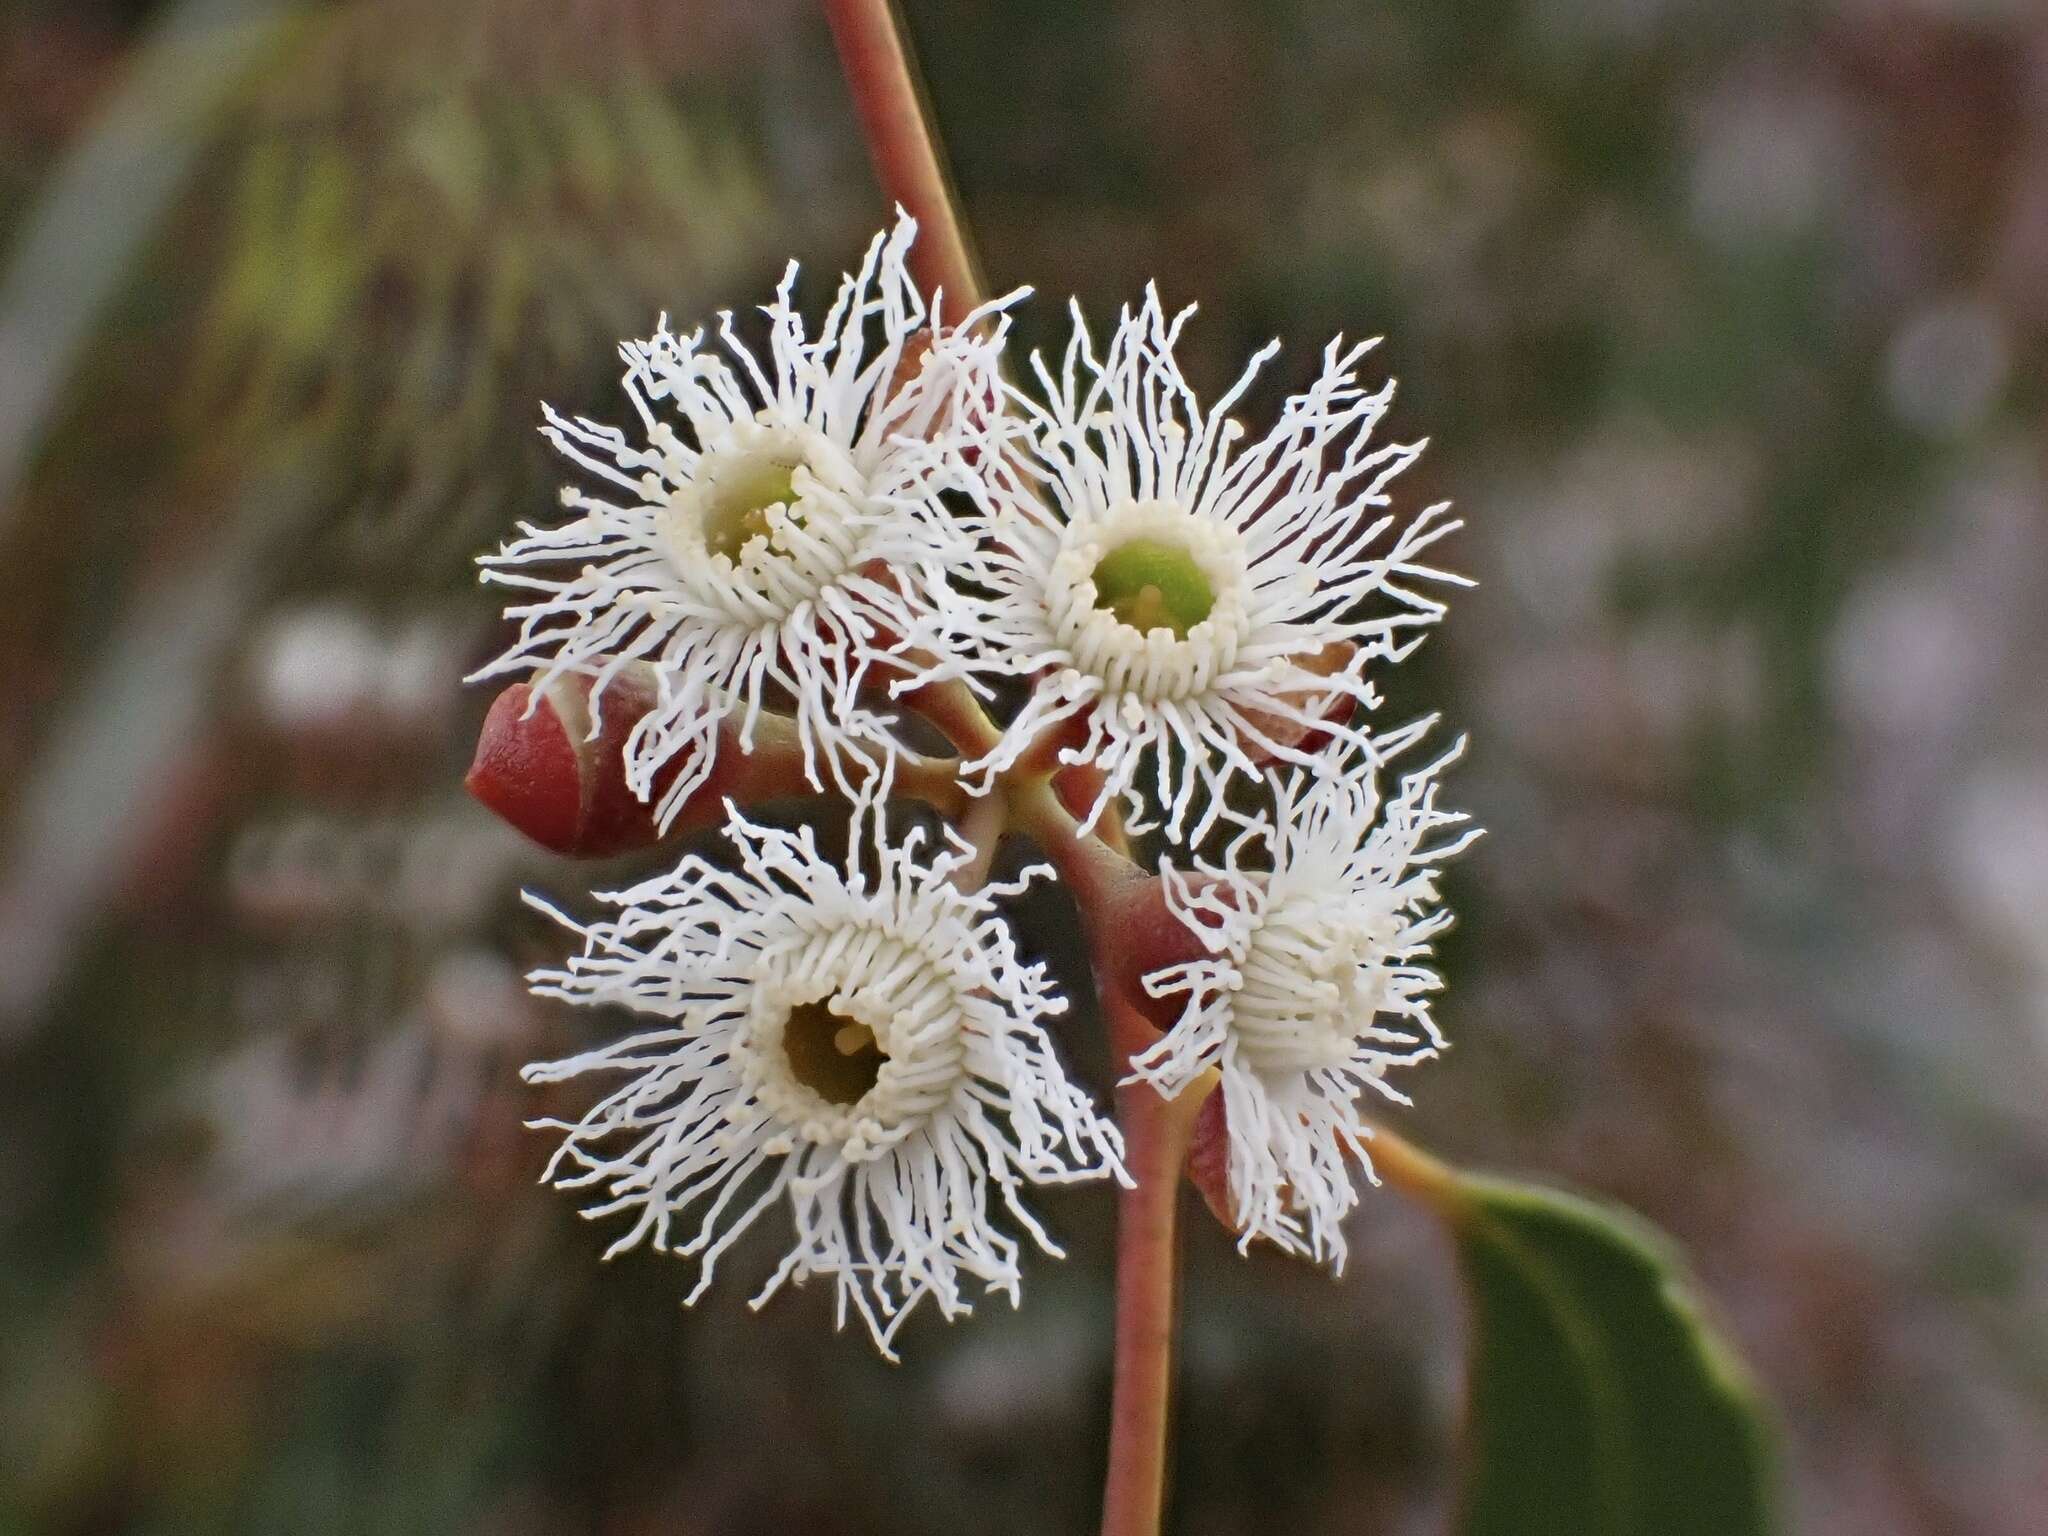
x,y
788,525
1289,533
1318,926
869,1051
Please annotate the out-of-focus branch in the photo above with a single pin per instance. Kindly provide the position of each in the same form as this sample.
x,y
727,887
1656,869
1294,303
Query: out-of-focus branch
x,y
101,203
134,724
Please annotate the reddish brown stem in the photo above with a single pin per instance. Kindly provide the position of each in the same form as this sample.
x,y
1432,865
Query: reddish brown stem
x,y
1419,1176
1156,1131
1156,1135
1101,878
883,80
952,708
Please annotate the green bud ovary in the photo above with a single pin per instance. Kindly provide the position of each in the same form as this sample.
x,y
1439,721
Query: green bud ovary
x,y
1152,584
736,504
832,1055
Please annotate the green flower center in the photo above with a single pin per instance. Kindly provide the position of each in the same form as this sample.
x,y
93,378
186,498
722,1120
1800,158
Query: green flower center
x,y
737,502
833,1056
1152,584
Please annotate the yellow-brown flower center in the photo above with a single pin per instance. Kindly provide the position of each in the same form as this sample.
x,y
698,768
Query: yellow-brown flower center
x,y
736,503
834,1056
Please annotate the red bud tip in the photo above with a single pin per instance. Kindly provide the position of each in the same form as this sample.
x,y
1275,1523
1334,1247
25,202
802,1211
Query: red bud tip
x,y
1078,787
538,767
917,347
527,770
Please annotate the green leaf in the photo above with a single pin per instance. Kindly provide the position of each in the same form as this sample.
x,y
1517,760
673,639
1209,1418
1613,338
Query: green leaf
x,y
1600,1403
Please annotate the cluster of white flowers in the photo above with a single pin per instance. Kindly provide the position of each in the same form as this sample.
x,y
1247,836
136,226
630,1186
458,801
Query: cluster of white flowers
x,y
1190,612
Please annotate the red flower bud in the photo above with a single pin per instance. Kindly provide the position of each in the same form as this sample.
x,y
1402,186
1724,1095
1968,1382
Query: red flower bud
x,y
529,771
539,768
917,347
1078,787
917,351
1208,1161
884,638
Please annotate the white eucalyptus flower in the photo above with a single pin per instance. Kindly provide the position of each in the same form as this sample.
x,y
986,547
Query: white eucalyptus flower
x,y
867,1050
790,521
1318,926
1174,590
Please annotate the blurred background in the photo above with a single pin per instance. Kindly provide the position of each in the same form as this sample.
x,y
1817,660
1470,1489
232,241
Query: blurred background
x,y
1728,322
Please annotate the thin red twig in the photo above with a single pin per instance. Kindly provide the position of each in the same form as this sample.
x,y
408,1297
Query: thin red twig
x,y
1156,1135
892,114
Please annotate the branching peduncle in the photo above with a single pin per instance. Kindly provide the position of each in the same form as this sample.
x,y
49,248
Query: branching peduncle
x,y
1095,866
